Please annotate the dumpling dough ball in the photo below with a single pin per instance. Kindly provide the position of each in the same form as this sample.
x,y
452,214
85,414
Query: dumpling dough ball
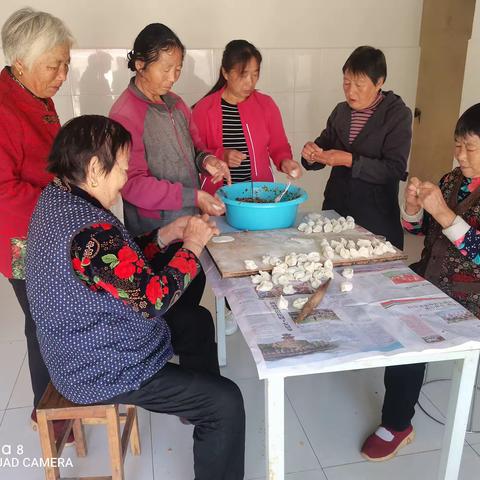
x,y
265,286
347,272
346,286
250,265
298,303
282,303
327,227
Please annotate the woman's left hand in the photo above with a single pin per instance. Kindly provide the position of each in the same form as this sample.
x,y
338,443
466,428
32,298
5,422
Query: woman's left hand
x,y
217,169
432,201
334,158
291,168
173,230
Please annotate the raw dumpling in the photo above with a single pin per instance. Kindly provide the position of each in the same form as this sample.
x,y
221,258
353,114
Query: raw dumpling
x,y
300,302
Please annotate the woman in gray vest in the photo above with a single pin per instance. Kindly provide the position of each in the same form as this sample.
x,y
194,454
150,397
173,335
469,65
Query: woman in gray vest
x,y
98,297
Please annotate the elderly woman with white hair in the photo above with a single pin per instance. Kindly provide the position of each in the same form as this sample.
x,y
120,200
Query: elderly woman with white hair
x,y
37,50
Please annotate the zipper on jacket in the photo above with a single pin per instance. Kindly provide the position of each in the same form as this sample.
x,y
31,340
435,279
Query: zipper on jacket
x,y
253,150
185,158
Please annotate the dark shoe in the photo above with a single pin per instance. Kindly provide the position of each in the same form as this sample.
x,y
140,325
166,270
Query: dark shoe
x,y
57,428
385,443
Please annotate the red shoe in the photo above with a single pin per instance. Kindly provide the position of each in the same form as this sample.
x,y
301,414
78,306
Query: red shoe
x,y
57,428
385,443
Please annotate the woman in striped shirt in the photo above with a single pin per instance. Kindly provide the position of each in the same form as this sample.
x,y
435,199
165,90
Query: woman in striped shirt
x,y
240,125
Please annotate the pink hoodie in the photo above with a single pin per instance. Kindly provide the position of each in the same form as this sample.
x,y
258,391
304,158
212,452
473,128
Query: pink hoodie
x,y
262,127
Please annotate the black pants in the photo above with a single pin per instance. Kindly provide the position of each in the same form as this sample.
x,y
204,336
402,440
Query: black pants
x,y
212,403
38,371
191,325
402,389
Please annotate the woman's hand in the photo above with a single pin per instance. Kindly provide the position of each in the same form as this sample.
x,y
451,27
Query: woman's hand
x,y
174,230
197,233
431,199
412,202
217,169
334,158
291,168
210,204
233,158
310,152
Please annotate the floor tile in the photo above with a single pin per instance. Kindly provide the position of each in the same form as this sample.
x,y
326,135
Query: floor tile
x,y
12,355
304,475
338,411
240,364
22,395
172,448
298,452
438,393
12,319
416,466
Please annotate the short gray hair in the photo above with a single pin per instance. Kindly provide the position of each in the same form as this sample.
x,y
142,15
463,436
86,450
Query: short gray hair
x,y
27,34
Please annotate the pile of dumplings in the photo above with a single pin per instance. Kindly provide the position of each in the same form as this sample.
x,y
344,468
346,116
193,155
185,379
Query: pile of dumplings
x,y
363,247
293,267
316,223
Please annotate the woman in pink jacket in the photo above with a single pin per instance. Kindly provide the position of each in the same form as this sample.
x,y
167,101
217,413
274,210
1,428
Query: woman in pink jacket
x,y
240,125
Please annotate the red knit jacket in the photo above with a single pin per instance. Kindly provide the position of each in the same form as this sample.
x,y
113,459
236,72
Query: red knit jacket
x,y
27,129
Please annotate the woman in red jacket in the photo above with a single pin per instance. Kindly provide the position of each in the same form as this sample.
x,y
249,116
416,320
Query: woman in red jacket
x,y
239,124
37,45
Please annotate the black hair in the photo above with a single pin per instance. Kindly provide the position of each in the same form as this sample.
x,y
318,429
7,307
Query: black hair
x,y
469,122
236,53
367,61
82,138
150,42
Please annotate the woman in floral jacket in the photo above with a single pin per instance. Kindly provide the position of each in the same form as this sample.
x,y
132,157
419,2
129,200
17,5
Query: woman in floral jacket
x,y
99,298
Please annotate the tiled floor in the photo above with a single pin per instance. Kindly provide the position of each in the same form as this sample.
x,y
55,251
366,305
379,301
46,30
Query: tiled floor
x,y
326,418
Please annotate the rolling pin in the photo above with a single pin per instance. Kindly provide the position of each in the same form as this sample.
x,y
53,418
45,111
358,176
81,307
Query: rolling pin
x,y
312,302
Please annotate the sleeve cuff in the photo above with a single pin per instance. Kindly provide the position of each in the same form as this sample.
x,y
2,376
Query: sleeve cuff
x,y
417,217
457,229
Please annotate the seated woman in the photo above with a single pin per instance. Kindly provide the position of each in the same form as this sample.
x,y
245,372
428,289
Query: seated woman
x,y
98,302
240,125
449,217
366,142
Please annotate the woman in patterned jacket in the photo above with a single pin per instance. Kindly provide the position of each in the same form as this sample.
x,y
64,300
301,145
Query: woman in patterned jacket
x,y
449,217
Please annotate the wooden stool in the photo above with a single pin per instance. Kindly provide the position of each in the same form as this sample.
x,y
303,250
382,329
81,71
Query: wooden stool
x,y
53,406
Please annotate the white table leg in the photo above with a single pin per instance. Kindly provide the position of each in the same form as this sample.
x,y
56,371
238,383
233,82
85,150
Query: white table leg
x,y
221,343
274,428
457,416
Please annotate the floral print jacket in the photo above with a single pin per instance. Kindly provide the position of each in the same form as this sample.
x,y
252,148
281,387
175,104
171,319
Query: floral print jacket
x,y
104,262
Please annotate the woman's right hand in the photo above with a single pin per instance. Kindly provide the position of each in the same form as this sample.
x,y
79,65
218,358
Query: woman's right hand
x,y
209,204
198,231
310,151
233,157
412,202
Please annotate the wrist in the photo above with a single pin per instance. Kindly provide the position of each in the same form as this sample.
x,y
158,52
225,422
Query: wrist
x,y
193,246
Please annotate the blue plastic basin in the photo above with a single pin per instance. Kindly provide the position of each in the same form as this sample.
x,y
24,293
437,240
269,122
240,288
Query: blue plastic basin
x,y
261,216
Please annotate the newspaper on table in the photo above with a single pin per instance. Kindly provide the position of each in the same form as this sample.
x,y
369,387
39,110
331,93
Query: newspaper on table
x,y
390,309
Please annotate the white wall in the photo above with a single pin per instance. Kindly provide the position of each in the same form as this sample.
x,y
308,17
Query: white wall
x,y
304,44
471,81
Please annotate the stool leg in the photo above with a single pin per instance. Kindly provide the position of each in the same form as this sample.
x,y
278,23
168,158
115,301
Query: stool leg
x,y
114,442
79,434
47,442
134,434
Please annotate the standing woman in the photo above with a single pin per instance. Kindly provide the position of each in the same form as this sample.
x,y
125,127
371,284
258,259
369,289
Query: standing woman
x,y
163,173
240,125
163,182
37,47
366,142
